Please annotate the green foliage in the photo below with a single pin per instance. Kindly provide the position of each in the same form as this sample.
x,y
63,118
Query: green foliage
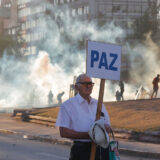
x,y
10,43
147,22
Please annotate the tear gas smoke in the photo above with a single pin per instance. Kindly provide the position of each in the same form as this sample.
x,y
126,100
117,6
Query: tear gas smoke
x,y
27,83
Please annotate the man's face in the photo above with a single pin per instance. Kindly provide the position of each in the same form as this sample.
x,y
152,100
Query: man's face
x,y
85,87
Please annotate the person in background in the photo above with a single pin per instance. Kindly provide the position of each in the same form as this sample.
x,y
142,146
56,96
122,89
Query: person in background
x,y
59,97
50,97
75,118
118,95
155,82
121,85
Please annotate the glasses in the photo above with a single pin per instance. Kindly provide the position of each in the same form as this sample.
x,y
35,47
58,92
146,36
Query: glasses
x,y
86,84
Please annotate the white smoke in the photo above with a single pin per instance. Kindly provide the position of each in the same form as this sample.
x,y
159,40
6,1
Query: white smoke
x,y
28,82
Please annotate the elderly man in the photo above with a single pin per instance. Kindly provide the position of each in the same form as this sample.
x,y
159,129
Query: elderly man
x,y
75,118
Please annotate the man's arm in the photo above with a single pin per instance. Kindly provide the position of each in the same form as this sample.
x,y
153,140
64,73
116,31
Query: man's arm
x,y
69,133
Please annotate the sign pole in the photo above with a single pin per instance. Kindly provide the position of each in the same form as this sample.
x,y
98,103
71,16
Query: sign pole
x,y
98,115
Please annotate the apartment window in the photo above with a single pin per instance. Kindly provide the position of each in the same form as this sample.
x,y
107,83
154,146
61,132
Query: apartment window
x,y
86,10
56,2
23,26
61,1
24,12
23,1
9,31
116,8
73,12
24,36
28,38
21,6
133,8
124,9
13,31
27,24
33,50
7,5
144,8
80,11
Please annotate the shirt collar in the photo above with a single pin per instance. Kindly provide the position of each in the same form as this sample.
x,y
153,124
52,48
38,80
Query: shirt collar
x,y
81,99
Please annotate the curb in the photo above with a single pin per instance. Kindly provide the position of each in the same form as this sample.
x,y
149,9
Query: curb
x,y
3,131
52,140
138,153
121,150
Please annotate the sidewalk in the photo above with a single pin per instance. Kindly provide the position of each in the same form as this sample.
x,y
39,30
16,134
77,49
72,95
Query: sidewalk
x,y
43,133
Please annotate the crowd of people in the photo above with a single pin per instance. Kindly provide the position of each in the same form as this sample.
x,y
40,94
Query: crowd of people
x,y
141,92
59,97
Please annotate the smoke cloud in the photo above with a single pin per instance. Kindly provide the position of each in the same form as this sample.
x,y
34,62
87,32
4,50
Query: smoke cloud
x,y
26,83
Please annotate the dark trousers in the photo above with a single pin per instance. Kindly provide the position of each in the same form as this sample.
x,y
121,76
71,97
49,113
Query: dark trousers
x,y
82,150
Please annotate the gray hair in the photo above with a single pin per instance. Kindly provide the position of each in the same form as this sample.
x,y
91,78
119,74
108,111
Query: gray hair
x,y
80,77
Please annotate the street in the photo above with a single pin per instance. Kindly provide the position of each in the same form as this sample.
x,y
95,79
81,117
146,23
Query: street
x,y
14,147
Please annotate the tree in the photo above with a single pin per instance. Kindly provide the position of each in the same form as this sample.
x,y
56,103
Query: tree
x,y
147,22
11,43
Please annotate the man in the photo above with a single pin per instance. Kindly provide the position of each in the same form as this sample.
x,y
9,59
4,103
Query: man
x,y
121,85
50,97
155,85
75,118
59,97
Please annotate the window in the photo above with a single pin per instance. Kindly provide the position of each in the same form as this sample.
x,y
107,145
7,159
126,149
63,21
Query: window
x,y
116,8
80,11
13,31
134,8
73,12
28,38
20,2
86,10
24,12
33,50
7,5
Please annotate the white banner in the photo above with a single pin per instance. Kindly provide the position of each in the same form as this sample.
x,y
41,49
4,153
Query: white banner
x,y
103,60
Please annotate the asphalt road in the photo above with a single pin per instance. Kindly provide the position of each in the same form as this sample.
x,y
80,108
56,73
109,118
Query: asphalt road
x,y
13,147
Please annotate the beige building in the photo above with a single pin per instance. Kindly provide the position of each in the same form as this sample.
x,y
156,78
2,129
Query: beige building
x,y
123,12
8,16
27,16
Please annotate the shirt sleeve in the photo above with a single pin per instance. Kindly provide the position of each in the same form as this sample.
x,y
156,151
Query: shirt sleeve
x,y
63,119
106,115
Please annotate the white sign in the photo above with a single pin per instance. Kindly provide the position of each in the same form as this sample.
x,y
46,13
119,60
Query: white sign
x,y
103,60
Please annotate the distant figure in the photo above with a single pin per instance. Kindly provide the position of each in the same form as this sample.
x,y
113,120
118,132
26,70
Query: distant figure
x,y
155,82
72,91
118,95
121,85
59,97
144,93
50,97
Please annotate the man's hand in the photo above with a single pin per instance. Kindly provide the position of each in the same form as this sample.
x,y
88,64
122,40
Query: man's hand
x,y
108,128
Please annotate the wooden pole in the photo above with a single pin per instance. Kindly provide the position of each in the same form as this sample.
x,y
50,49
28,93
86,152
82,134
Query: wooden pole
x,y
98,115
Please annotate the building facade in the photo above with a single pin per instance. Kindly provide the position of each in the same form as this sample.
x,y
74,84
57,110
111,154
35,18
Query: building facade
x,y
28,16
8,16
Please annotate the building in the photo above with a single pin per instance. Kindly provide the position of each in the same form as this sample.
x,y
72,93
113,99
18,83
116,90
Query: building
x,y
30,13
8,16
28,16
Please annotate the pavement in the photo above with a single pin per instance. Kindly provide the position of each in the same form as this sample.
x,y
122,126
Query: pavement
x,y
32,131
